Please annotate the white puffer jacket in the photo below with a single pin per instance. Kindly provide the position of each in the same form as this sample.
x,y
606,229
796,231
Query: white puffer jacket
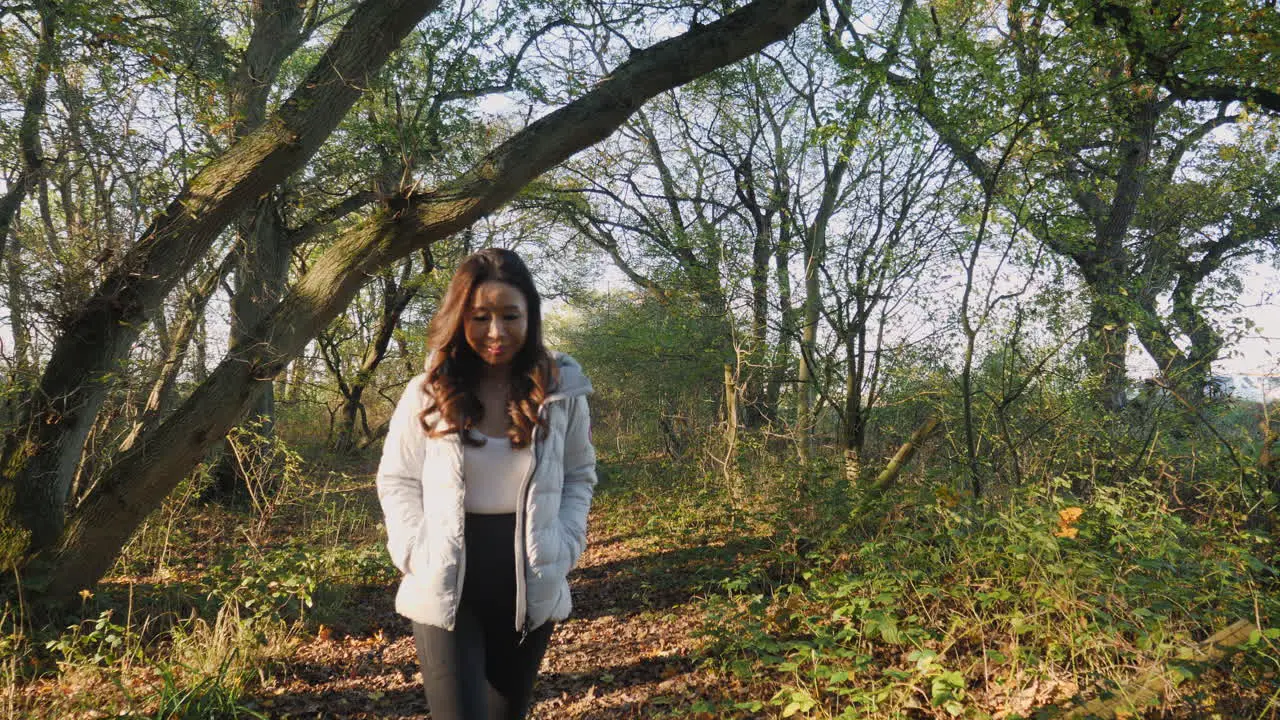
x,y
421,490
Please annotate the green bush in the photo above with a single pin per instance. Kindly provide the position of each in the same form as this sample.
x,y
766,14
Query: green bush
x,y
965,607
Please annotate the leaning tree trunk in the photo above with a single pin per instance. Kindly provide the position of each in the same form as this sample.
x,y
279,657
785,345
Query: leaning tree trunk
x,y
40,458
139,480
908,450
160,396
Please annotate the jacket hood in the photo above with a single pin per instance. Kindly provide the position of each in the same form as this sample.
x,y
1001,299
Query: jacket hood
x,y
573,381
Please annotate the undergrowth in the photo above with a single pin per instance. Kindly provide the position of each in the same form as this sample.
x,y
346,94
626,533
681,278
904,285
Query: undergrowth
x,y
819,600
206,603
926,605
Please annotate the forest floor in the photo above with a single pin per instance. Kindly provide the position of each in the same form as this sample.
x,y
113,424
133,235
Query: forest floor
x,y
683,608
627,651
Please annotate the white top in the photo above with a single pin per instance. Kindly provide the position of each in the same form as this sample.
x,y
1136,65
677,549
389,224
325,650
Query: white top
x,y
492,475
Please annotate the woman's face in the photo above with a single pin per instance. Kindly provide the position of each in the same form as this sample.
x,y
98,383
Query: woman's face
x,y
496,322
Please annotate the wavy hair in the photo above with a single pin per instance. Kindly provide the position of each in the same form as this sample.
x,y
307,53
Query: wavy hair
x,y
454,370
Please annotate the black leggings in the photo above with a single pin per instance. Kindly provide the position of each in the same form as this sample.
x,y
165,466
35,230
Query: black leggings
x,y
481,670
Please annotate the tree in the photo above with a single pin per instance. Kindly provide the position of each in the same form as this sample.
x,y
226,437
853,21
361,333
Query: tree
x,y
263,244
1119,100
394,291
40,458
138,480
883,262
31,153
657,365
708,191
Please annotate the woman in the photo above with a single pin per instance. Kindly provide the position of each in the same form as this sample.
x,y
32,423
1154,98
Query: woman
x,y
485,481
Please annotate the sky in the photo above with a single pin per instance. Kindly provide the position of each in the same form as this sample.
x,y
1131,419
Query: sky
x,y
1257,352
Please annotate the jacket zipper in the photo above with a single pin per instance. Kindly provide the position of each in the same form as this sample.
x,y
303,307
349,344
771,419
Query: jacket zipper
x,y
522,599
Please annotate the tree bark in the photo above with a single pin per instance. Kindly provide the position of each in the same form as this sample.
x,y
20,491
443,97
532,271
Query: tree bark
x,y
753,391
24,361
904,454
33,111
263,251
804,375
815,252
139,480
781,362
40,458
761,253
855,410
815,239
262,274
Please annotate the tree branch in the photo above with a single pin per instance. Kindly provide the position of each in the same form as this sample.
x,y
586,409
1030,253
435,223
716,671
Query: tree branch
x,y
139,480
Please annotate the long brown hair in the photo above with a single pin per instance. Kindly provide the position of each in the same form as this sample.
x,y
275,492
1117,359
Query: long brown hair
x,y
454,369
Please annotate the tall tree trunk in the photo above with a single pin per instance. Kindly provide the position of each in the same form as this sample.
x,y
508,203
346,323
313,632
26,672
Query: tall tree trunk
x,y
815,254
1106,348
262,270
40,458
757,358
139,480
806,388
24,361
855,410
753,390
262,273
1105,265
33,111
815,242
781,362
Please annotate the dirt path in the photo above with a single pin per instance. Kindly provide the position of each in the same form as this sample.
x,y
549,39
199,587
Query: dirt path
x,y
625,653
